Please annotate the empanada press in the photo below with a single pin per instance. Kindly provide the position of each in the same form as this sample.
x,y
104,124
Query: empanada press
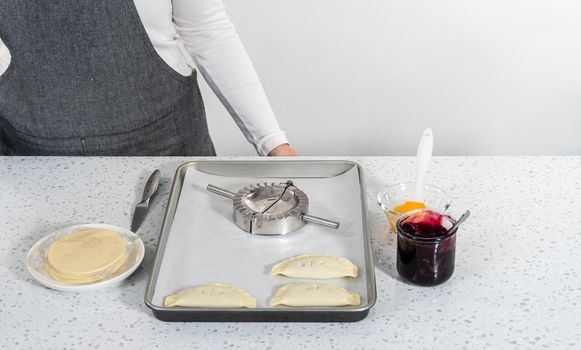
x,y
271,208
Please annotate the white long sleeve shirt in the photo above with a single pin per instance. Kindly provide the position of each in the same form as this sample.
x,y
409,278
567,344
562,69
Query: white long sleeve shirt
x,y
199,34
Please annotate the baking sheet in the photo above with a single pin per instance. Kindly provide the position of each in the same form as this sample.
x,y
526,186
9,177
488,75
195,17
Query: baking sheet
x,y
205,246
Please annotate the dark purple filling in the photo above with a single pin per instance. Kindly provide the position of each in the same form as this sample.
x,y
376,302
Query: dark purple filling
x,y
426,263
427,225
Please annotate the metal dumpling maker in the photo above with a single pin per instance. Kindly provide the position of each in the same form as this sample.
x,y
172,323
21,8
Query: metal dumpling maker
x,y
271,208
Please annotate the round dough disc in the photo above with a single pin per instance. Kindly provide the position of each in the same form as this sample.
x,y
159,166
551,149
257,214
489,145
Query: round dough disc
x,y
86,254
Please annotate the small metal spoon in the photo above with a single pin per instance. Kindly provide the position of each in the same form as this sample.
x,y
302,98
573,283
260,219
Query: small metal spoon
x,y
460,220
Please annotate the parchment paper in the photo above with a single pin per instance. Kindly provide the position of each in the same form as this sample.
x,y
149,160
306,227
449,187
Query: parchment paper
x,y
205,246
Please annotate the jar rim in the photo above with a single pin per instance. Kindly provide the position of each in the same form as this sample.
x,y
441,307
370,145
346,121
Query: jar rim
x,y
423,239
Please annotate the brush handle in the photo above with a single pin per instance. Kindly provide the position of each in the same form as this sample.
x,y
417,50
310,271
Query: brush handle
x,y
423,157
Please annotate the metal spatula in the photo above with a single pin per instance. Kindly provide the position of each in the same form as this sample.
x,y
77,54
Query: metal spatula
x,y
148,193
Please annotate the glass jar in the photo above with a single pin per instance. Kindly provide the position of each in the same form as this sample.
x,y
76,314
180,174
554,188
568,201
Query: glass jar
x,y
426,248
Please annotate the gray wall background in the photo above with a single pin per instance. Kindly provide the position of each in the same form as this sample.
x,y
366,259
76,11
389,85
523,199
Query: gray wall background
x,y
348,77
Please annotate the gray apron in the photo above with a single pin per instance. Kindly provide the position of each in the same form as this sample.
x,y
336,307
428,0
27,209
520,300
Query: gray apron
x,y
85,80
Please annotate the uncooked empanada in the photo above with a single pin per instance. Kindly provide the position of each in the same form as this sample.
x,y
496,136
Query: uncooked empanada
x,y
316,266
212,296
314,294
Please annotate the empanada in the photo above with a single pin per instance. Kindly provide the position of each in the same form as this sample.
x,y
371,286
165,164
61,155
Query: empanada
x,y
211,296
316,266
314,294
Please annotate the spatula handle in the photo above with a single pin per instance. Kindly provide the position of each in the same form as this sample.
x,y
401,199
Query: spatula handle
x,y
151,186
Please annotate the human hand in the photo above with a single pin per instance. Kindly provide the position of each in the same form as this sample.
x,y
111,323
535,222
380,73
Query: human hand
x,y
283,150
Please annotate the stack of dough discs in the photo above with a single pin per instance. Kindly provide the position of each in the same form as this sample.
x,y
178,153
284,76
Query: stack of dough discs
x,y
86,256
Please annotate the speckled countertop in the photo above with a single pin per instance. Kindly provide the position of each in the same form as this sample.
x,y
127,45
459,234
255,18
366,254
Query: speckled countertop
x,y
517,282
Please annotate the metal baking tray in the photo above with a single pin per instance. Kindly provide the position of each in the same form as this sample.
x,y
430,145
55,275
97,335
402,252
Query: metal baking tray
x,y
199,242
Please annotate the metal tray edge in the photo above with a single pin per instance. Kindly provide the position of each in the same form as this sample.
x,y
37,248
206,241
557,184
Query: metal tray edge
x,y
245,315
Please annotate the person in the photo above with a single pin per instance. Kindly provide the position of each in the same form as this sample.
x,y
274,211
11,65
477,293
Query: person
x,y
85,77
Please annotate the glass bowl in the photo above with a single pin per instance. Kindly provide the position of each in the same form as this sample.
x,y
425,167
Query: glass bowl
x,y
435,198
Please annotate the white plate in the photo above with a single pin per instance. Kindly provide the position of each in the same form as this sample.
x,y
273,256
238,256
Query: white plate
x,y
36,259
